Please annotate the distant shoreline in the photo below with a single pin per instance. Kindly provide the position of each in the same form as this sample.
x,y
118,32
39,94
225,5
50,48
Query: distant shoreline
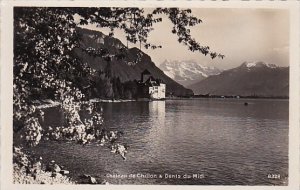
x,y
50,103
227,97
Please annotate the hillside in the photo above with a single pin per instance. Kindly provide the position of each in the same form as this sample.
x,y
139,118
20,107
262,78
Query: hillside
x,y
130,67
249,79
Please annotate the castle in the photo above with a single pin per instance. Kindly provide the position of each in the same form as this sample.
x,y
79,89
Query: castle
x,y
151,88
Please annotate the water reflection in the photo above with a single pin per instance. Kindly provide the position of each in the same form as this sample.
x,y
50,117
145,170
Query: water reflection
x,y
228,142
158,131
53,117
157,110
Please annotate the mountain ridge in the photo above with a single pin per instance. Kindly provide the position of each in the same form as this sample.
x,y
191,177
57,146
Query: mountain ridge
x,y
130,67
248,79
187,72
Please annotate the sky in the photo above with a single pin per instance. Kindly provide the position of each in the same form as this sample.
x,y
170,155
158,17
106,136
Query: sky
x,y
240,34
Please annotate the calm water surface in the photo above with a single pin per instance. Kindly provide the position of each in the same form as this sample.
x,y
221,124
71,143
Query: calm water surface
x,y
223,141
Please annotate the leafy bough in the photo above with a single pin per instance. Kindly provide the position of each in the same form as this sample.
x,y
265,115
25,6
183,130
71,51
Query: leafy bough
x,y
45,66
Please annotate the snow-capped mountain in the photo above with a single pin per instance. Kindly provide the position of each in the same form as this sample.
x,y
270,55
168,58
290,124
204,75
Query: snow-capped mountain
x,y
187,72
257,64
249,79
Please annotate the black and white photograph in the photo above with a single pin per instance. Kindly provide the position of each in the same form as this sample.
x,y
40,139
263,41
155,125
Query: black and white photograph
x,y
152,95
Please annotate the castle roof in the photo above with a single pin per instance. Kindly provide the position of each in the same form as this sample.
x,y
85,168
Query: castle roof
x,y
153,82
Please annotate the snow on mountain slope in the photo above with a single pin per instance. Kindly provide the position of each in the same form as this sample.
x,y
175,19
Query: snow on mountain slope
x,y
187,72
248,79
258,64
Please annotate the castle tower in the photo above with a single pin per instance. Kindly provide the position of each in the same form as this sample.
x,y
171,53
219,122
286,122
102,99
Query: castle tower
x,y
145,75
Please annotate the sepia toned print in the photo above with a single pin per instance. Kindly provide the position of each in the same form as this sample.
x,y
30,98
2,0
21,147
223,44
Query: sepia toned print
x,y
129,95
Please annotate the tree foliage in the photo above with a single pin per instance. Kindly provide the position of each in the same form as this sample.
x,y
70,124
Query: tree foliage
x,y
44,61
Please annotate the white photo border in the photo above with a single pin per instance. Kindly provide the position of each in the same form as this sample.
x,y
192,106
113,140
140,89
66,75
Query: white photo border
x,y
7,83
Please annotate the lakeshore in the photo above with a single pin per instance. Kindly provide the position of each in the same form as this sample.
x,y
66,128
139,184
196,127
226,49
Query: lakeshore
x,y
52,103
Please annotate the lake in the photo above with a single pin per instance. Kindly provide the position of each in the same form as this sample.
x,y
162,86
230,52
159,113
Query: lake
x,y
197,141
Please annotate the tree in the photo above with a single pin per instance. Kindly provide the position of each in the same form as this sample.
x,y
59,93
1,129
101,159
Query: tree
x,y
130,89
44,64
44,61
